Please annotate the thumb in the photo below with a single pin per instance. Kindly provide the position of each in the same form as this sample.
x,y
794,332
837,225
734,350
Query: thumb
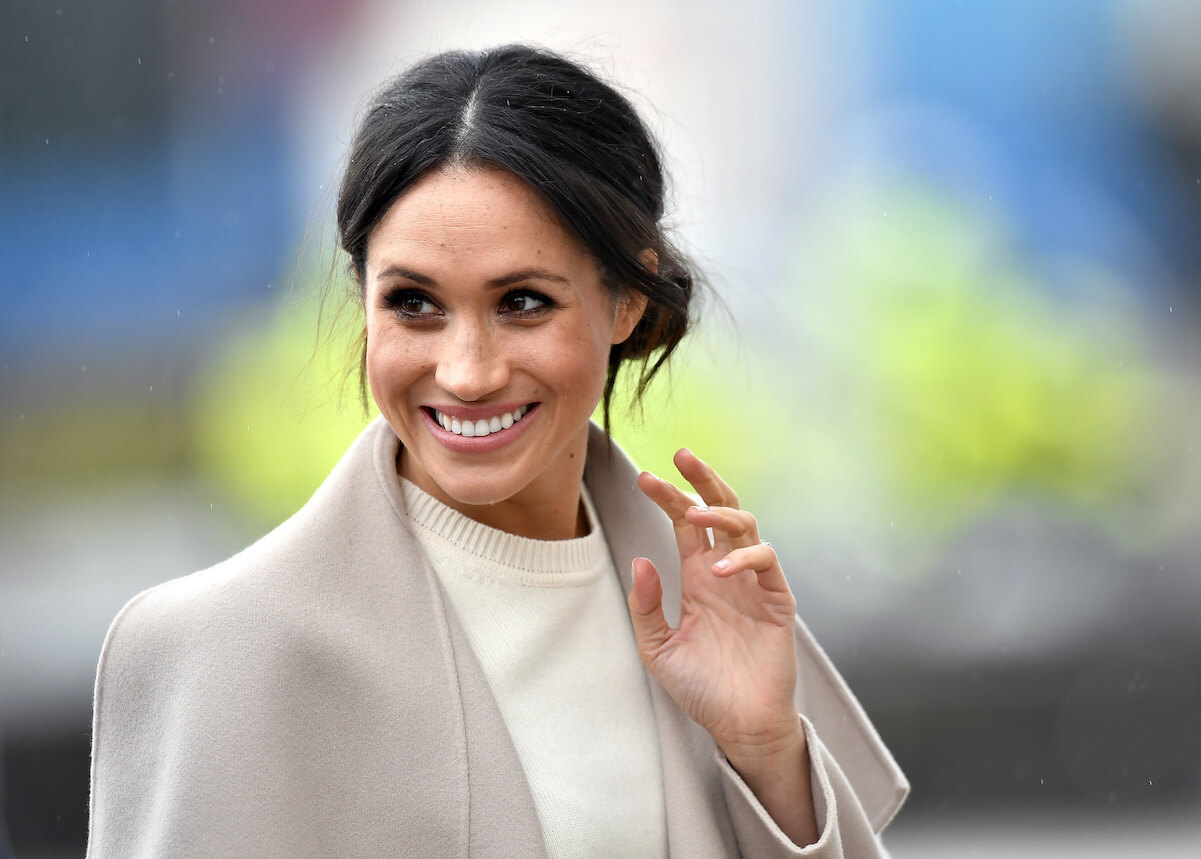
x,y
646,610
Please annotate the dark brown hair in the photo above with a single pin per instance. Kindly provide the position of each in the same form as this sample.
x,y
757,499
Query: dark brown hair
x,y
573,138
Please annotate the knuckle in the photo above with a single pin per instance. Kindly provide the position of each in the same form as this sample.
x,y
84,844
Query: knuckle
x,y
732,524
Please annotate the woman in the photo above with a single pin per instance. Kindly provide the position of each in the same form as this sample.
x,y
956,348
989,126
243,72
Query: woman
x,y
432,657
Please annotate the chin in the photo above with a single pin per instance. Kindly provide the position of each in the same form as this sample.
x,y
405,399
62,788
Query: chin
x,y
477,487
475,495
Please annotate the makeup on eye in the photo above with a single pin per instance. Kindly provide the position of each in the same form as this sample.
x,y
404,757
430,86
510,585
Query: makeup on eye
x,y
416,304
525,302
410,303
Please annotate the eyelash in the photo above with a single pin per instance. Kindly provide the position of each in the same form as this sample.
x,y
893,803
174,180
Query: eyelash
x,y
397,298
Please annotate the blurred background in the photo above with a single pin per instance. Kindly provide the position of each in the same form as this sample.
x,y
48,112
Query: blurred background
x,y
951,357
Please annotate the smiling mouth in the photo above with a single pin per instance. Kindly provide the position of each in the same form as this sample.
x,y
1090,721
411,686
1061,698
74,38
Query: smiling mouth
x,y
481,427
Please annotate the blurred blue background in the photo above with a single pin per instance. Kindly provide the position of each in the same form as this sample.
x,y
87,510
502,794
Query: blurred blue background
x,y
951,358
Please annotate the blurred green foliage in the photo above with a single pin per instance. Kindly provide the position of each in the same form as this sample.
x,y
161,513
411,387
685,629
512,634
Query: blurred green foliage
x,y
277,409
920,372
980,374
925,372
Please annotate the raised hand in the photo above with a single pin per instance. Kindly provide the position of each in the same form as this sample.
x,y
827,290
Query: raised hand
x,y
731,663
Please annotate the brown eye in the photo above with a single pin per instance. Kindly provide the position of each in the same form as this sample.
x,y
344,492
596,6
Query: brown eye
x,y
524,302
415,305
411,304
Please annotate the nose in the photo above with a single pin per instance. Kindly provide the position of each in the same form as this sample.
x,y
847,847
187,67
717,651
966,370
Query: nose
x,y
470,363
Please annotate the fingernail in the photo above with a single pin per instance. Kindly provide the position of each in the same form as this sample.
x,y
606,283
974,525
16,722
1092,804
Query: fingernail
x,y
723,565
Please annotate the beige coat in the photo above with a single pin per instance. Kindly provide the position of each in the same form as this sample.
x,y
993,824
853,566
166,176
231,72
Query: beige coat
x,y
314,695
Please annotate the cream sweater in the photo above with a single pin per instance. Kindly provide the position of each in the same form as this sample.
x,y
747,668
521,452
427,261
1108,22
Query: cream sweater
x,y
548,622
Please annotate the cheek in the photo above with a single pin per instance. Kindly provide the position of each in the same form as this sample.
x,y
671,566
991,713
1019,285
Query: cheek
x,y
582,364
392,363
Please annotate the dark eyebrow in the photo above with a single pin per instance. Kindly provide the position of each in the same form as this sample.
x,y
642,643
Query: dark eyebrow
x,y
495,283
527,274
397,271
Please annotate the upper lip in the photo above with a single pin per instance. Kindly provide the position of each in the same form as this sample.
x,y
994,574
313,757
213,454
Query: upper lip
x,y
477,412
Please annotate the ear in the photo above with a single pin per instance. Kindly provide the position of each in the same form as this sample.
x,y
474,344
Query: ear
x,y
631,304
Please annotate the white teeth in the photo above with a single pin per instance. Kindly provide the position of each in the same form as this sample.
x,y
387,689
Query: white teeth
x,y
471,429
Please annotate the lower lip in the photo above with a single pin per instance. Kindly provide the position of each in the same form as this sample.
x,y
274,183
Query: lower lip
x,y
480,443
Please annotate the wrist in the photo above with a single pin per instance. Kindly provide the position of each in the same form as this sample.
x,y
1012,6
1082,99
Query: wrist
x,y
769,753
777,772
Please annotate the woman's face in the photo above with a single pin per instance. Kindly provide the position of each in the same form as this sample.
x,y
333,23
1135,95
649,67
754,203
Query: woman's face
x,y
488,335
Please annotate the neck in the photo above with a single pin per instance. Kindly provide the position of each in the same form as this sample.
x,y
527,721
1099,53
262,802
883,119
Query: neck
x,y
548,508
547,520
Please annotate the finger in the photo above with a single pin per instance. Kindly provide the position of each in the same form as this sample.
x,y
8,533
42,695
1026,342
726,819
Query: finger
x,y
651,631
736,527
675,503
761,560
704,479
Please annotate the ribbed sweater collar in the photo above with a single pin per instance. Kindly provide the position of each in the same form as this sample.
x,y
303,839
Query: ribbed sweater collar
x,y
536,562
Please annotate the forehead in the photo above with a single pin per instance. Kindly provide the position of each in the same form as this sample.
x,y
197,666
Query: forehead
x,y
467,212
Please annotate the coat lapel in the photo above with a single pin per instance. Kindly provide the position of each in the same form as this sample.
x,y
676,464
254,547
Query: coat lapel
x,y
497,812
503,820
697,821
